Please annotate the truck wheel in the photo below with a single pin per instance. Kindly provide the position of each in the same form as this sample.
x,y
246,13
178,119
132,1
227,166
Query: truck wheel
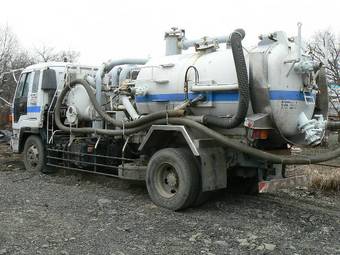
x,y
34,154
172,179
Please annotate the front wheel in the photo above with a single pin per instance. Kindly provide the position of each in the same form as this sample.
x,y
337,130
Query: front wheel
x,y
172,178
34,154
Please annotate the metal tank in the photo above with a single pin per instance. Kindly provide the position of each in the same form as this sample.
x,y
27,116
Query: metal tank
x,y
161,83
281,82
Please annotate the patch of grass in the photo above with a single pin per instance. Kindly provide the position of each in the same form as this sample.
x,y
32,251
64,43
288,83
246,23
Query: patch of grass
x,y
324,178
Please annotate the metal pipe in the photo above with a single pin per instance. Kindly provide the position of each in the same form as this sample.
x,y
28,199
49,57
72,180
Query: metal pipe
x,y
115,75
129,107
299,40
105,68
91,80
186,44
196,88
125,73
126,61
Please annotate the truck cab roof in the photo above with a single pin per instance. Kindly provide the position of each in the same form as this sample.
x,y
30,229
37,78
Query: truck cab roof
x,y
44,65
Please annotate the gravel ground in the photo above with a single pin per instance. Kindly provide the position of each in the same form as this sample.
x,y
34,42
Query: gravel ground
x,y
70,213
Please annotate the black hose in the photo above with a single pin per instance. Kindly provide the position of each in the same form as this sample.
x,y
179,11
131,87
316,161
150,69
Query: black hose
x,y
104,115
186,80
242,78
333,125
256,153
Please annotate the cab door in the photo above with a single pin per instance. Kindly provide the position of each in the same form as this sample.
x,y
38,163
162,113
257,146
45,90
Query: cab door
x,y
20,99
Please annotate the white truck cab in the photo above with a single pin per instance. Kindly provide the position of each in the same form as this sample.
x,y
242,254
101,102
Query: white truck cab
x,y
35,89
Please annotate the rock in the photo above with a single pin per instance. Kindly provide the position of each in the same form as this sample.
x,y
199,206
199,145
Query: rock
x,y
3,251
221,243
194,237
112,212
45,246
206,241
260,247
64,252
243,242
252,237
103,201
269,247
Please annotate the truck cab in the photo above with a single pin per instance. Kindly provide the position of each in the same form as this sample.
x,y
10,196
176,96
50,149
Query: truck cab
x,y
35,90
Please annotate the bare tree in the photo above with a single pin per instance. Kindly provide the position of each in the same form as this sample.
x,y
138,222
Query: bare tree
x,y
8,46
324,47
23,58
13,56
46,54
69,55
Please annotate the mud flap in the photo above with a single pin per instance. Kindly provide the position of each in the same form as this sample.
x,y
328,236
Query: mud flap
x,y
213,168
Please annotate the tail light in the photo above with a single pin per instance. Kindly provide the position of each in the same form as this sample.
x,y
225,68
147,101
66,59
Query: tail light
x,y
259,134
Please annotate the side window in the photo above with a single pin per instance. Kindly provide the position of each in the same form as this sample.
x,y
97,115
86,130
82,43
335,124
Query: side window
x,y
36,81
20,85
27,84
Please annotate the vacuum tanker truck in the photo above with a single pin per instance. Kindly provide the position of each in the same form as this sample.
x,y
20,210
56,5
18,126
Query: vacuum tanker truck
x,y
187,123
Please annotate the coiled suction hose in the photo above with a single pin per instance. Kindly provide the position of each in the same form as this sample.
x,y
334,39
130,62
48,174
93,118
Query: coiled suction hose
x,y
242,78
104,115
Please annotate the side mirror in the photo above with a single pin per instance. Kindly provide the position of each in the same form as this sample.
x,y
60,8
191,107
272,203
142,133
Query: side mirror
x,y
49,80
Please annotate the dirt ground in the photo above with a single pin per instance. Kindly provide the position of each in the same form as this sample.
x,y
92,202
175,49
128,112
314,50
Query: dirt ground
x,y
71,213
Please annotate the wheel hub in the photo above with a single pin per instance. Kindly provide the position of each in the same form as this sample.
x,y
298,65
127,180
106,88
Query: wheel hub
x,y
33,156
171,180
167,181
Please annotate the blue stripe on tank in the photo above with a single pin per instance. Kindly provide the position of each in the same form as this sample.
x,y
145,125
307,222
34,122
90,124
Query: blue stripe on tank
x,y
220,96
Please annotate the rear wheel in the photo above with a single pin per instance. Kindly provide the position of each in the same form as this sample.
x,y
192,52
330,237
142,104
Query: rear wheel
x,y
34,155
172,178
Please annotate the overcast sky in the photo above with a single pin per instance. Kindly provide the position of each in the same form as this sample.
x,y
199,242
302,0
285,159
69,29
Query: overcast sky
x,y
103,30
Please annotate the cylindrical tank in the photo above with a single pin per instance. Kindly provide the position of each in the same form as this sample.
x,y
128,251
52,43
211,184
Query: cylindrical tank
x,y
163,82
79,105
275,87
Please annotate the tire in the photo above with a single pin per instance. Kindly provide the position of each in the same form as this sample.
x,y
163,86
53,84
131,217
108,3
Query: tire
x,y
172,179
34,155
